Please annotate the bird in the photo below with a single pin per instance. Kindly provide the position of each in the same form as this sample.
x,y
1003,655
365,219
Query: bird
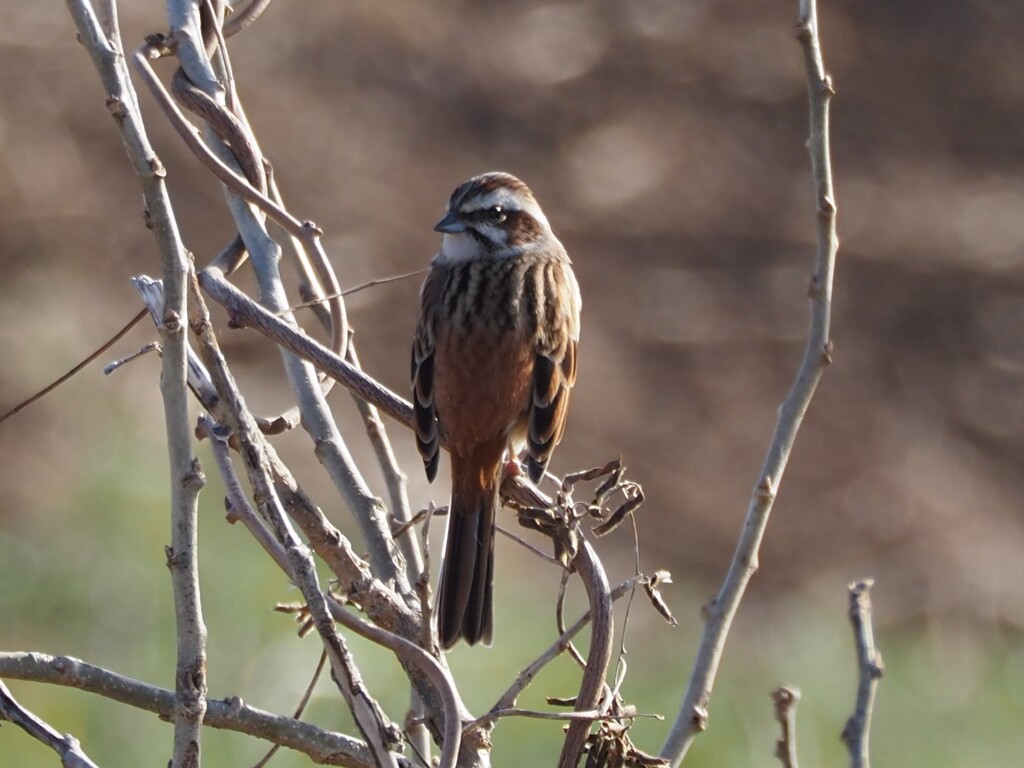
x,y
493,363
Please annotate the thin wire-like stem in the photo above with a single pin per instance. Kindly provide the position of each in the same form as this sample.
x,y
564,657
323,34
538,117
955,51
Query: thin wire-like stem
x,y
303,703
50,387
693,713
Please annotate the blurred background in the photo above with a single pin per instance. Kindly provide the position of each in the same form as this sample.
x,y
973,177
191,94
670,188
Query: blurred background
x,y
665,141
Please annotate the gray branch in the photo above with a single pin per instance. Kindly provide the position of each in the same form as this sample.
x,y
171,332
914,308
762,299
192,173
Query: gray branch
x,y
693,713
323,747
104,47
65,745
378,732
869,669
786,701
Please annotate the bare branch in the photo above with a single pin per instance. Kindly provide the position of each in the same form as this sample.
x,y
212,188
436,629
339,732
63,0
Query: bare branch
x,y
356,581
67,746
244,312
870,670
331,449
239,507
379,733
323,747
186,478
394,477
153,346
786,701
454,710
590,570
693,715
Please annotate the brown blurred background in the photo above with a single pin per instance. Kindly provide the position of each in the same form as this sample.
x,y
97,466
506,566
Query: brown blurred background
x,y
665,141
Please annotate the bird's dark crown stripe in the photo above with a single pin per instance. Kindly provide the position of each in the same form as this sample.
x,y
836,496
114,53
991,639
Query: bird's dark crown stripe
x,y
485,185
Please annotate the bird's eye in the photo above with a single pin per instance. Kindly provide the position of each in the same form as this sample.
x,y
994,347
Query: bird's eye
x,y
496,214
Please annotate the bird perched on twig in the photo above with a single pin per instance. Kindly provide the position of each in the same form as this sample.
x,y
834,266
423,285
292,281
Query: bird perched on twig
x,y
493,361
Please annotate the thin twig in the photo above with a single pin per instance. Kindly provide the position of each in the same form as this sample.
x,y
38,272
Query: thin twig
x,y
322,746
153,346
303,703
106,12
361,287
67,746
50,387
322,281
786,700
869,669
693,713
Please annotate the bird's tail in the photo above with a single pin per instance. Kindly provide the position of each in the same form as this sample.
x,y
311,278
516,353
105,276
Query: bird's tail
x,y
465,603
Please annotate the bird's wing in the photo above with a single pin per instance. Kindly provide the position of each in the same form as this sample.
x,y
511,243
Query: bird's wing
x,y
553,377
427,436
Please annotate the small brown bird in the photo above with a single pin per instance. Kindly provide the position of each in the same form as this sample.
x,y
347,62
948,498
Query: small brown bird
x,y
493,361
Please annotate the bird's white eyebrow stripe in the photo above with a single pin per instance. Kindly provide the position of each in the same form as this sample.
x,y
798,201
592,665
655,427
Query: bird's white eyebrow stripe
x,y
506,198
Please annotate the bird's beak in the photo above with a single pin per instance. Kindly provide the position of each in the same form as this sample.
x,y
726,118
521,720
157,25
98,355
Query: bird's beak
x,y
451,223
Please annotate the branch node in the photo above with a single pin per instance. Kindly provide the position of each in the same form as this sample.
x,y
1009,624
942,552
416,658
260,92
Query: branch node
x,y
195,478
826,352
157,168
170,323
765,490
159,45
116,108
